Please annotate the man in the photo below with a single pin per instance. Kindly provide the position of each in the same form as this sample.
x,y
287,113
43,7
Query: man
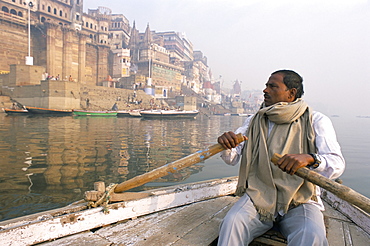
x,y
272,194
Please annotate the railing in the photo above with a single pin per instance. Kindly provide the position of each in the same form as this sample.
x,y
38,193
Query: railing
x,y
12,18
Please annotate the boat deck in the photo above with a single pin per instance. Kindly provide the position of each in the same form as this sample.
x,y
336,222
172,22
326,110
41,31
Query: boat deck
x,y
197,224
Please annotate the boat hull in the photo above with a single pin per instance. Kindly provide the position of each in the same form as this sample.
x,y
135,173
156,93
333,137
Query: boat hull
x,y
123,114
16,111
45,111
94,113
168,114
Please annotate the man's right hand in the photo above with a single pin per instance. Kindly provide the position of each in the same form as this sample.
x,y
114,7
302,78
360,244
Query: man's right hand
x,y
228,140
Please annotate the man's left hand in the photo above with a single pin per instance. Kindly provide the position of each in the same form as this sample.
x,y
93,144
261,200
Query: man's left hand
x,y
290,163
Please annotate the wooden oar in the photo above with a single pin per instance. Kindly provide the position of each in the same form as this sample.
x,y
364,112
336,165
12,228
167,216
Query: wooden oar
x,y
172,167
337,189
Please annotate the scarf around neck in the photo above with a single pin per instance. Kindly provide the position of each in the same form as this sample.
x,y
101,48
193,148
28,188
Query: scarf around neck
x,y
271,189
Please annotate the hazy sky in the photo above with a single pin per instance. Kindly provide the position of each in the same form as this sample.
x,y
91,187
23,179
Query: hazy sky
x,y
327,42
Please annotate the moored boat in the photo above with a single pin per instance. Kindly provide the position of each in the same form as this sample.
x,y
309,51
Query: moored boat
x,y
187,214
46,111
135,113
94,113
123,113
169,114
16,111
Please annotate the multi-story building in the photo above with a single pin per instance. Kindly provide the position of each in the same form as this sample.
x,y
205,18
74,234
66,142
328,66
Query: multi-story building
x,y
151,60
63,39
92,48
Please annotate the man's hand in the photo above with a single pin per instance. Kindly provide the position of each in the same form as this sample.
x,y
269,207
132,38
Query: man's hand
x,y
290,163
228,140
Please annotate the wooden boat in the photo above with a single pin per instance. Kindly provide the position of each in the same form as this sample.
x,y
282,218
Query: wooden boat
x,y
187,214
123,113
135,113
94,113
16,111
169,114
45,111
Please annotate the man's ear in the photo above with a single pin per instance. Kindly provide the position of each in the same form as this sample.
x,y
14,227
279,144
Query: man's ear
x,y
293,92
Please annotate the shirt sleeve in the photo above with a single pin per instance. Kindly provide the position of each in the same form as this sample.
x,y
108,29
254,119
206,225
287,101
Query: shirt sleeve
x,y
232,156
332,161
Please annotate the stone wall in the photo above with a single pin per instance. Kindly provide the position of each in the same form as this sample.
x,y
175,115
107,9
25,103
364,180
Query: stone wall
x,y
103,98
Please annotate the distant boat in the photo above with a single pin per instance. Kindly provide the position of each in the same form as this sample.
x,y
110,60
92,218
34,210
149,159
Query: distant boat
x,y
46,111
16,111
123,113
169,113
244,115
135,113
94,113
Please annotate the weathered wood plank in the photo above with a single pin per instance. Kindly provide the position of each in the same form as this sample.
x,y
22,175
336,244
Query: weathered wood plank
x,y
81,239
56,227
358,236
335,233
180,226
358,216
206,232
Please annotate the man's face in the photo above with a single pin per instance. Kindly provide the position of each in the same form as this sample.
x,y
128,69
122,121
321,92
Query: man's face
x,y
276,91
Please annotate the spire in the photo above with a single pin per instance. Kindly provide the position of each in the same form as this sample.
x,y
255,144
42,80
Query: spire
x,y
134,37
147,36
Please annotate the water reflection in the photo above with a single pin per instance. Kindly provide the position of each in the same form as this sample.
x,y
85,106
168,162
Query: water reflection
x,y
47,162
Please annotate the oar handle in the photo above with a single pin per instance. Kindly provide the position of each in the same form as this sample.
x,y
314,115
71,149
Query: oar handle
x,y
173,166
339,190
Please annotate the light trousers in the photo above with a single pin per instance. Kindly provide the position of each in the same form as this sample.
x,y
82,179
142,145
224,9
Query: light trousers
x,y
302,226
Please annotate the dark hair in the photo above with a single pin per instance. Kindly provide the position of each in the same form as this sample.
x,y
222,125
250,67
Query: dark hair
x,y
292,80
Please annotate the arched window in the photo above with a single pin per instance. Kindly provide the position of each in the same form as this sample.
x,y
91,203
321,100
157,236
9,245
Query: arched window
x,y
13,12
91,36
55,11
42,19
13,1
20,14
61,13
49,9
5,9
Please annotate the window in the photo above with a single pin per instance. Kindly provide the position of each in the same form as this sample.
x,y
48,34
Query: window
x,y
13,12
55,11
77,17
49,9
5,9
43,7
61,13
87,24
20,14
42,19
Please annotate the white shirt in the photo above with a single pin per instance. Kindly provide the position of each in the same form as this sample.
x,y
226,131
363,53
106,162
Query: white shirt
x,y
332,161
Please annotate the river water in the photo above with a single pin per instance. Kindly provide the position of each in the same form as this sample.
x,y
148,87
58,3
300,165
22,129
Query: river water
x,y
49,162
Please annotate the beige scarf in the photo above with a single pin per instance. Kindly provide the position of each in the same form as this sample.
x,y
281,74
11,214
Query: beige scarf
x,y
271,189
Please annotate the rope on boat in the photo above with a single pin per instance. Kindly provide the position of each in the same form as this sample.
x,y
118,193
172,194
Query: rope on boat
x,y
104,200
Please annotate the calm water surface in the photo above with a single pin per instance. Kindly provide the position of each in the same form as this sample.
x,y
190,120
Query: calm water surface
x,y
48,162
